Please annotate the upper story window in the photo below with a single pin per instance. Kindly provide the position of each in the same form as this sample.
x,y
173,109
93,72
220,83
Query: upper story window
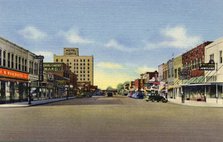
x,y
56,60
212,57
0,57
9,59
220,57
12,61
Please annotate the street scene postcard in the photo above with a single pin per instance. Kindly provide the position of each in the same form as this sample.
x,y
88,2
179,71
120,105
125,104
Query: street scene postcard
x,y
111,71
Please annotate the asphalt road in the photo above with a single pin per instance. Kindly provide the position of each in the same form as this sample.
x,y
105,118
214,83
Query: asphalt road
x,y
116,119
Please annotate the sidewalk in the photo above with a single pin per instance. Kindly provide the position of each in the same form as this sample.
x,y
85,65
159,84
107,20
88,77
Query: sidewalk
x,y
196,103
33,103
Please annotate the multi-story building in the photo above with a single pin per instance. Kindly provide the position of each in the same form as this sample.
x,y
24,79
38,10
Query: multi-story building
x,y
20,69
214,78
177,66
165,72
63,78
160,71
82,66
191,60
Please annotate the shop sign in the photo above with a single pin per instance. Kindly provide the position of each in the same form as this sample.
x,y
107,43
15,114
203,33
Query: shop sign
x,y
40,67
13,74
207,66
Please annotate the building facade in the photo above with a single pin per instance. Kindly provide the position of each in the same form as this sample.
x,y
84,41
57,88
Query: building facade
x,y
19,72
160,71
82,66
177,66
193,87
64,81
214,78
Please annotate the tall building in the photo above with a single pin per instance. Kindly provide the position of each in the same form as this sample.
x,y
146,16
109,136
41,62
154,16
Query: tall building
x,y
82,66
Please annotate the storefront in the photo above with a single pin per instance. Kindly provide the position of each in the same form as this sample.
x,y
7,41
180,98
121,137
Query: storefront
x,y
13,86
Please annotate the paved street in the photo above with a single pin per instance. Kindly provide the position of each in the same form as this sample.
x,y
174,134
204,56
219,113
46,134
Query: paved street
x,y
115,119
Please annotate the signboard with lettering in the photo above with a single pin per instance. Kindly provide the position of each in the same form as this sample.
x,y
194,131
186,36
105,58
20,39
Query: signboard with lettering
x,y
40,58
207,66
13,74
71,51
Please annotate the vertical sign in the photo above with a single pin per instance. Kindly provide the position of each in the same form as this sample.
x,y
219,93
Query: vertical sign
x,y
40,58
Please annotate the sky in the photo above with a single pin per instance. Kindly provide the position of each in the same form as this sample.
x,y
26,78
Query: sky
x,y
126,37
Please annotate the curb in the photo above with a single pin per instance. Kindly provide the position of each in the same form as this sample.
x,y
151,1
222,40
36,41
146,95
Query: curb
x,y
197,105
25,104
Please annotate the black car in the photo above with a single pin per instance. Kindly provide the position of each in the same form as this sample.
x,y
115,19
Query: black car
x,y
110,94
157,97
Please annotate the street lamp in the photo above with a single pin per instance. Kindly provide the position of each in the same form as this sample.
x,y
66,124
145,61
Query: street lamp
x,y
67,89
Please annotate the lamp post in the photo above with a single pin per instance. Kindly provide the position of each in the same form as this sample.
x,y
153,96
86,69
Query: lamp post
x,y
67,89
29,94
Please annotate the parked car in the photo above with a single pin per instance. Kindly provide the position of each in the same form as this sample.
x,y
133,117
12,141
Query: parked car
x,y
110,94
138,95
157,98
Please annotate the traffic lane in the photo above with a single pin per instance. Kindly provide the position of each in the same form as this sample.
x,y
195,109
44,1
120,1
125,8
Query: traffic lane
x,y
97,123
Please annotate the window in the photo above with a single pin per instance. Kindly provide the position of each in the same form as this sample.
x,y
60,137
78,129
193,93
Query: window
x,y
179,71
9,59
175,73
23,67
61,60
212,57
4,56
12,61
19,63
67,60
220,57
16,62
0,57
56,60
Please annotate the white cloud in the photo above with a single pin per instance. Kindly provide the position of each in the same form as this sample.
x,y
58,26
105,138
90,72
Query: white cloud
x,y
48,55
174,37
32,33
114,44
109,65
143,69
179,38
73,37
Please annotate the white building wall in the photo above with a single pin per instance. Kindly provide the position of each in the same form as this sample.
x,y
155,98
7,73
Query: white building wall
x,y
214,49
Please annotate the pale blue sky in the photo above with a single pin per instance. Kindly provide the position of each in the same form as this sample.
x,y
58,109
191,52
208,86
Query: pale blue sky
x,y
126,37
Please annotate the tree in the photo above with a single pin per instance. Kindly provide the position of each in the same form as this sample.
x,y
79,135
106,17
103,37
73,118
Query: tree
x,y
120,87
109,88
